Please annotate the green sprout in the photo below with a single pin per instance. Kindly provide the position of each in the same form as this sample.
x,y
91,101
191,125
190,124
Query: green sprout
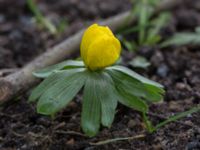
x,y
104,84
147,28
44,22
183,38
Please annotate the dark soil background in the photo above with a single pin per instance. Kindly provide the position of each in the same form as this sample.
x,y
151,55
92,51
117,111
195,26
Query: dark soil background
x,y
177,68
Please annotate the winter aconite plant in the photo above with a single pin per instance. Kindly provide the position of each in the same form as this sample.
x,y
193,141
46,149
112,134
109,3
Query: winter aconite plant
x,y
104,84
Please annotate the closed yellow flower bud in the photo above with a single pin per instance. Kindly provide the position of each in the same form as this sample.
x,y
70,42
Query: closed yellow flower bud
x,y
99,47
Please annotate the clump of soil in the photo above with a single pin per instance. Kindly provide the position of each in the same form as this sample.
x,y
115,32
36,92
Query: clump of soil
x,y
177,68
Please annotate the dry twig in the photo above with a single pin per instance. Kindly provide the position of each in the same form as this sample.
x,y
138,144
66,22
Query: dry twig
x,y
4,72
140,136
69,133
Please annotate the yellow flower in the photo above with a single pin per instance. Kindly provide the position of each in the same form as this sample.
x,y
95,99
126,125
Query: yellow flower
x,y
99,47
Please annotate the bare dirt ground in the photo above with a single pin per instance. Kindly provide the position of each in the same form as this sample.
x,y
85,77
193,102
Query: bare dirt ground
x,y
177,68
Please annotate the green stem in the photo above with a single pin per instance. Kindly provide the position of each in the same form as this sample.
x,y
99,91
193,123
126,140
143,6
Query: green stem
x,y
148,123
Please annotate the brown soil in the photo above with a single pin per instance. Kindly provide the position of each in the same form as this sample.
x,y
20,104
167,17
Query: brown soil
x,y
177,68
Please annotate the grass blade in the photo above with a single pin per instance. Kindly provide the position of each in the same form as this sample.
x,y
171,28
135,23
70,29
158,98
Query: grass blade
x,y
178,116
40,18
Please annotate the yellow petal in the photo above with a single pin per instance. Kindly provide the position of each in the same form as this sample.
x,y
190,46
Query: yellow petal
x,y
99,47
92,32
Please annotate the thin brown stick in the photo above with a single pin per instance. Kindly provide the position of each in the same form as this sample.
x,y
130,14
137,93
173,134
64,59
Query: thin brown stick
x,y
140,136
22,80
69,133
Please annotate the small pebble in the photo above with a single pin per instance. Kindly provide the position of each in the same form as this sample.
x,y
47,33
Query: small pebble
x,y
71,141
180,86
194,145
163,70
15,34
44,121
2,18
131,123
27,21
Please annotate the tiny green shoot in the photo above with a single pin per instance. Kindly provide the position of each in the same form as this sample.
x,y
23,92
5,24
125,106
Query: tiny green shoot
x,y
148,28
172,118
43,21
183,38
